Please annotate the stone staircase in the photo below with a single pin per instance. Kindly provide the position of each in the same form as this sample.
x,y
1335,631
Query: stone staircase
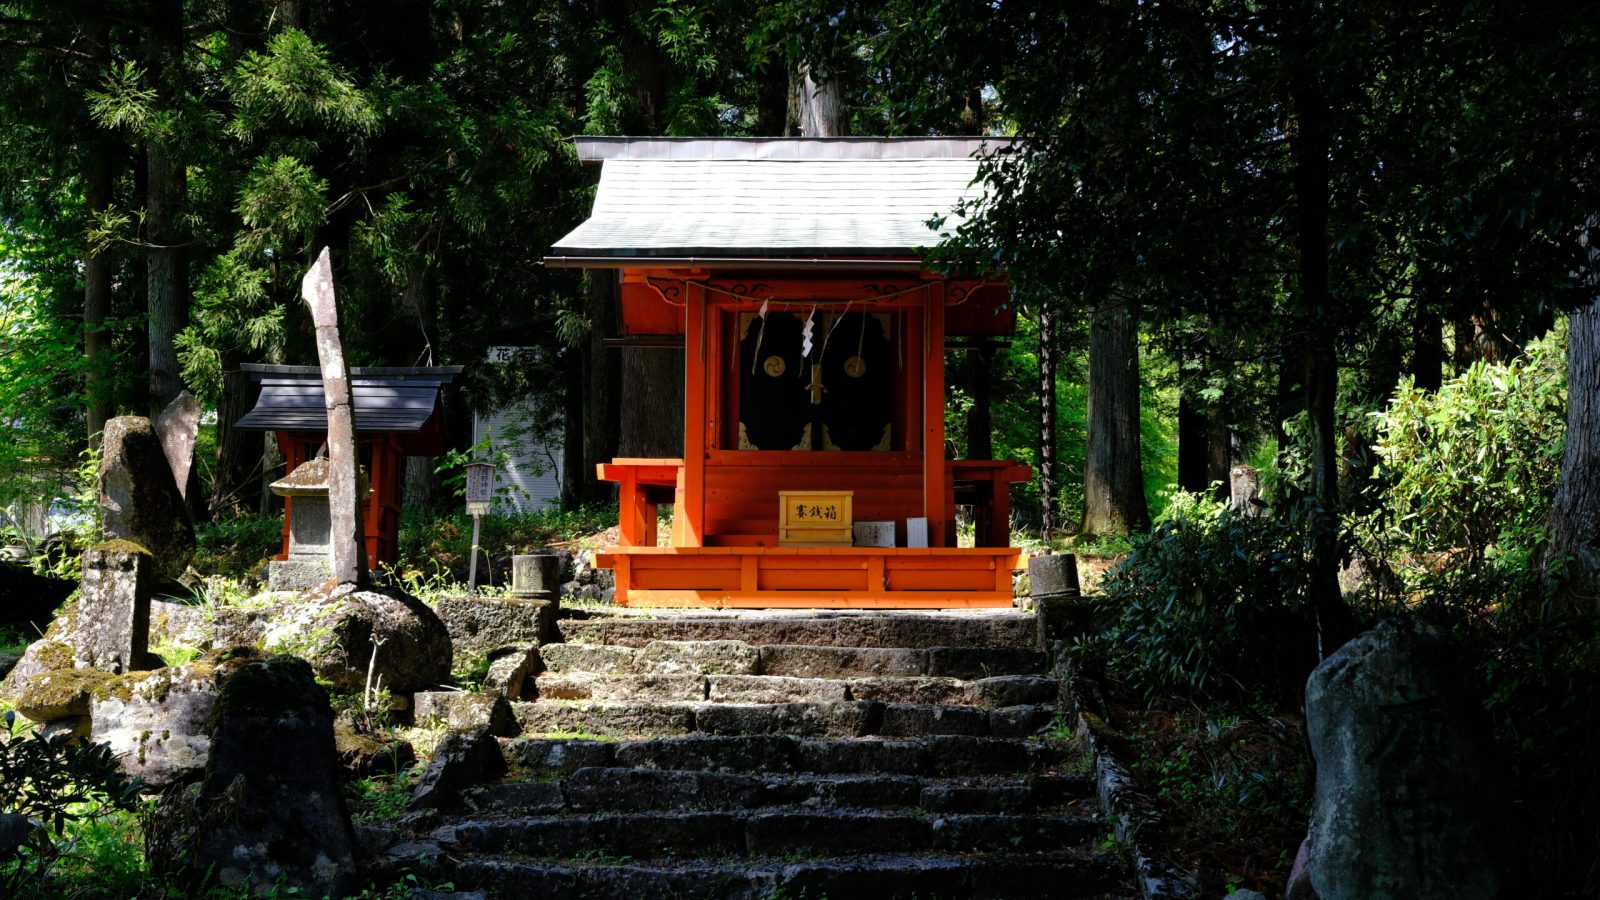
x,y
777,754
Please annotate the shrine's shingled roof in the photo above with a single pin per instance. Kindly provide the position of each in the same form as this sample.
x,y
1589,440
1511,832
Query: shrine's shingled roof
x,y
775,199
396,400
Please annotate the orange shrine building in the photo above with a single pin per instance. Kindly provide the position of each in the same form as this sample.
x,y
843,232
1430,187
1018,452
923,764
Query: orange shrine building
x,y
814,370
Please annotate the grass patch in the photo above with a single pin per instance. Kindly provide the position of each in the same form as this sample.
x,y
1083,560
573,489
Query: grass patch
x,y
432,541
231,545
384,798
574,736
175,654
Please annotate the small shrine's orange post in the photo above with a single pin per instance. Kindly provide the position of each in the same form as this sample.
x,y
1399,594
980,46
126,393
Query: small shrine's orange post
x,y
694,418
933,463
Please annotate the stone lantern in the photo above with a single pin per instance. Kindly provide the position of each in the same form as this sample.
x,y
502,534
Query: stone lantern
x,y
308,562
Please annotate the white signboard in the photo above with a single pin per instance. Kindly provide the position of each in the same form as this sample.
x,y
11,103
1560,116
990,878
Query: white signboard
x,y
480,482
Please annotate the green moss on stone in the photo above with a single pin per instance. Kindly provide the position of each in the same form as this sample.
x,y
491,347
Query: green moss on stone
x,y
65,692
120,545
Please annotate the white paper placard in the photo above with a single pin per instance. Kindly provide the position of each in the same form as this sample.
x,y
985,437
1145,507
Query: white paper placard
x,y
874,534
917,532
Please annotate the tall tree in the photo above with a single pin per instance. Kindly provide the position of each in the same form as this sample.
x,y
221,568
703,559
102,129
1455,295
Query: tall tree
x,y
1113,488
167,189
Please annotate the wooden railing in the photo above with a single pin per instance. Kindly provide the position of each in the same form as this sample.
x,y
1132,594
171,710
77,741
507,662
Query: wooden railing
x,y
741,499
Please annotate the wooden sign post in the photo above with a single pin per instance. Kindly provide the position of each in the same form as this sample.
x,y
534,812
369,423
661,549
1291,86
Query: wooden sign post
x,y
348,548
480,494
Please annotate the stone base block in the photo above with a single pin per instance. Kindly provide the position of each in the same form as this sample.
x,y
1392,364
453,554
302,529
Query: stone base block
x,y
297,574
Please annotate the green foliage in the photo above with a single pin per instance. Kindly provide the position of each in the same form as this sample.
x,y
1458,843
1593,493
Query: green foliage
x,y
39,362
385,798
63,788
235,544
433,543
293,82
173,653
1473,465
1210,602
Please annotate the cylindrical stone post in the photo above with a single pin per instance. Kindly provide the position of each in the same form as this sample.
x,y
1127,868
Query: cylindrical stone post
x,y
536,576
1060,609
1244,486
1053,576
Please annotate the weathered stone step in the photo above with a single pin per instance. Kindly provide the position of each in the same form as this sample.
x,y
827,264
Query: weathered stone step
x,y
677,658
935,755
603,718
988,693
904,630
615,789
767,832
1071,876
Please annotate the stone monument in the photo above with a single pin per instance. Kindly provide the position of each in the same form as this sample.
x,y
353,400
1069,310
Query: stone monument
x,y
310,561
113,617
347,551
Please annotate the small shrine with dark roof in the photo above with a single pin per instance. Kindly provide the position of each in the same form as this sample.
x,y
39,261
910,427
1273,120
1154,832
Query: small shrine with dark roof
x,y
397,414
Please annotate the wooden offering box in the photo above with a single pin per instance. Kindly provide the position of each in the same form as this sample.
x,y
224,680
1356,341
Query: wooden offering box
x,y
814,519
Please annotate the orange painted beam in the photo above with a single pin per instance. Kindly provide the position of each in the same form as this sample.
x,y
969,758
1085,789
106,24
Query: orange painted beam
x,y
933,462
692,510
816,600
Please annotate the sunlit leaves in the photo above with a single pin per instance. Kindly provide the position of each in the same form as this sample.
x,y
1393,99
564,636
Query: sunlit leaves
x,y
127,101
1475,462
283,195
294,83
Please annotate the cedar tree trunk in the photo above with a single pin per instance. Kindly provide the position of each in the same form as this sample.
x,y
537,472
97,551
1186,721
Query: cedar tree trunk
x,y
166,267
601,417
1113,475
1575,519
1047,474
98,181
980,440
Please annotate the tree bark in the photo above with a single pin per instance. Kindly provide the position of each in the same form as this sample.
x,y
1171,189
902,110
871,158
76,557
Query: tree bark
x,y
167,191
652,417
602,421
1219,446
817,104
980,426
1573,562
1113,474
99,179
1320,381
572,468
239,461
272,469
290,14
1193,444
1427,350
421,487
1047,474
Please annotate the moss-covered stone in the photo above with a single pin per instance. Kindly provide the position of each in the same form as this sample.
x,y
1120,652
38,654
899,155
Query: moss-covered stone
x,y
272,755
159,722
60,694
121,545
142,503
42,656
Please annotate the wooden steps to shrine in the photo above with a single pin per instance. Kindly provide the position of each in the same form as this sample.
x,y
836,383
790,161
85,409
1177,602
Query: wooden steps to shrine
x,y
840,754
